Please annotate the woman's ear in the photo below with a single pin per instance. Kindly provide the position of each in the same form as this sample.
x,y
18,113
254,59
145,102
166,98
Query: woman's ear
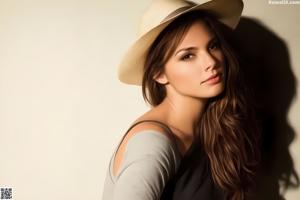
x,y
161,78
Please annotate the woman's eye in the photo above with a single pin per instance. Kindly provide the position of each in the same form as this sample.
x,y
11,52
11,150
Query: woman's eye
x,y
187,56
214,45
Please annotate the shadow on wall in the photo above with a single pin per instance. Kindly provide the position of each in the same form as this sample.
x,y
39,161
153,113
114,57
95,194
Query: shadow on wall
x,y
267,67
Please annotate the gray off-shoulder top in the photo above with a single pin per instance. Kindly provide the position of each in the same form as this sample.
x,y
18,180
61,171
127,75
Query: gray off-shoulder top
x,y
150,159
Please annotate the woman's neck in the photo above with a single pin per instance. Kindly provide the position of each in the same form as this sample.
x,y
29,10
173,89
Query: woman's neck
x,y
182,113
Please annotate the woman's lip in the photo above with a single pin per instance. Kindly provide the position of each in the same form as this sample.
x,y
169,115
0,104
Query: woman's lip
x,y
213,79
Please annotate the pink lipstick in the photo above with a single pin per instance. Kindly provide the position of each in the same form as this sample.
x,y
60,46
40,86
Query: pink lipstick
x,y
213,79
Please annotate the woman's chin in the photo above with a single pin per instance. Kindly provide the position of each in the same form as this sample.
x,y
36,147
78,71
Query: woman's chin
x,y
212,91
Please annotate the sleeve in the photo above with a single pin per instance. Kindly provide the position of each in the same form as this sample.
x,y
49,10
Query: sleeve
x,y
150,159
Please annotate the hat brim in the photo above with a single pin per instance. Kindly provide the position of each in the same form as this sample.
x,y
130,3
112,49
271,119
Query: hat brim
x,y
130,70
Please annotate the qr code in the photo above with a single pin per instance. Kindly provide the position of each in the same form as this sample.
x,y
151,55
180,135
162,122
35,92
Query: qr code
x,y
6,193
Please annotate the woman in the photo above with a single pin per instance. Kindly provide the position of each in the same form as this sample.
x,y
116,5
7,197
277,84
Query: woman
x,y
197,141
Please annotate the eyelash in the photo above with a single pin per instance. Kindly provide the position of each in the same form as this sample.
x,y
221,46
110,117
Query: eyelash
x,y
214,45
186,56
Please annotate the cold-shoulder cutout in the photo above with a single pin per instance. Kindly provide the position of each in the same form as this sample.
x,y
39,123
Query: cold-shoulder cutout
x,y
150,159
144,126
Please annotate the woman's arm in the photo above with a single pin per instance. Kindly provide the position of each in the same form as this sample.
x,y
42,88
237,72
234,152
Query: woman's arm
x,y
150,160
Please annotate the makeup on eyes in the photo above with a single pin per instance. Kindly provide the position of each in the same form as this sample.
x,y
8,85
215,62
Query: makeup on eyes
x,y
184,57
213,41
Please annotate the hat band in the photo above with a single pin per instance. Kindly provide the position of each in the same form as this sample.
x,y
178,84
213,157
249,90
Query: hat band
x,y
175,12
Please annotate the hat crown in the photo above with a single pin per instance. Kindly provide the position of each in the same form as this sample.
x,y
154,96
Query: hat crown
x,y
158,15
158,11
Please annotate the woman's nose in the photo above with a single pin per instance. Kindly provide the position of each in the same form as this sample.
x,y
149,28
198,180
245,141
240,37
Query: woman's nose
x,y
209,62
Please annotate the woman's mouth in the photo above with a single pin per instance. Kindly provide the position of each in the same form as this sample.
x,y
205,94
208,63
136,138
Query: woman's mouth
x,y
214,79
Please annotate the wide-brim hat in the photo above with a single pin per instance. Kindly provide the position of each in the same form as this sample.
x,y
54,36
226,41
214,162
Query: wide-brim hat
x,y
160,14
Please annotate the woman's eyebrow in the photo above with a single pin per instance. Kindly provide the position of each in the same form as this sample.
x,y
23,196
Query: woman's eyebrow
x,y
213,39
186,49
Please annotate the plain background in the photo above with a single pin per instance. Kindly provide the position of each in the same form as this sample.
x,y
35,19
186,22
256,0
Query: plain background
x,y
62,108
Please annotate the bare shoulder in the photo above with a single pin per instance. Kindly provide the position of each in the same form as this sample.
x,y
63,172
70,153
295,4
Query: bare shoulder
x,y
136,129
147,125
144,125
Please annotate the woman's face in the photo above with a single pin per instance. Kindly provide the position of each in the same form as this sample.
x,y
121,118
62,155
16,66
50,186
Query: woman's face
x,y
197,67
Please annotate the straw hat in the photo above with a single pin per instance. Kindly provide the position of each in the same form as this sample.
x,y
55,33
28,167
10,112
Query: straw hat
x,y
161,13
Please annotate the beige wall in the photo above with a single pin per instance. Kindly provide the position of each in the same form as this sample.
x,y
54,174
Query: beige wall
x,y
62,109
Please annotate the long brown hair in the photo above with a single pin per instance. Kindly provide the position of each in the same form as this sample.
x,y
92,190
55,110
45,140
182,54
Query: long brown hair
x,y
226,128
